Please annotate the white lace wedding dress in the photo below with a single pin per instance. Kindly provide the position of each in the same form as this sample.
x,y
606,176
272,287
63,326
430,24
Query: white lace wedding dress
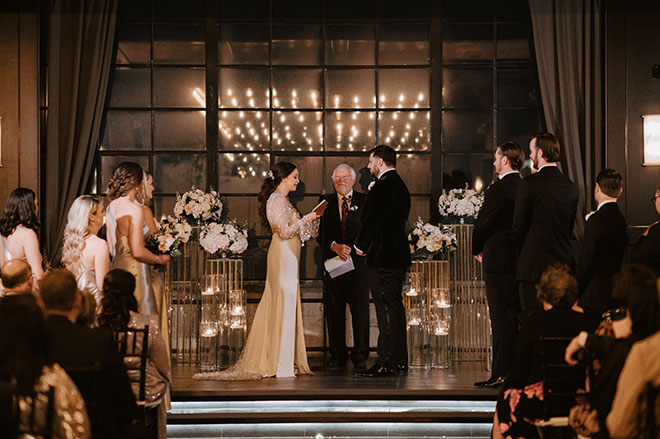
x,y
276,343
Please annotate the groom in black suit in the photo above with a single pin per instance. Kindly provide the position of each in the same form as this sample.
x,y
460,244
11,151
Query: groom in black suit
x,y
543,218
491,241
384,241
340,225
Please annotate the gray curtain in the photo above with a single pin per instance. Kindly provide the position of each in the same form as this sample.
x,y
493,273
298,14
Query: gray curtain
x,y
568,40
81,36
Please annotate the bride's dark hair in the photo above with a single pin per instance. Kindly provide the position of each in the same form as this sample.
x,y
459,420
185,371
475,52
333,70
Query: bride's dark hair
x,y
277,173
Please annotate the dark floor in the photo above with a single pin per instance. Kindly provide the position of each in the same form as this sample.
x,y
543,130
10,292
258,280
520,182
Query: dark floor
x,y
455,382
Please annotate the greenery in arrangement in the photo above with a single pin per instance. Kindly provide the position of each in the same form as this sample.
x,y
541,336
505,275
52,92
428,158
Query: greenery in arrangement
x,y
172,233
427,241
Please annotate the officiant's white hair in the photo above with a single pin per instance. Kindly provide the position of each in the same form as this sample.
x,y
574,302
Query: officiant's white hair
x,y
342,166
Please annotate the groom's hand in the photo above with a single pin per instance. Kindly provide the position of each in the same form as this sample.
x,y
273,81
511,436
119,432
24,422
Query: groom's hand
x,y
342,250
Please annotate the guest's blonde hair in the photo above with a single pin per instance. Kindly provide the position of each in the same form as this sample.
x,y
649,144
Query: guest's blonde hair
x,y
76,231
141,194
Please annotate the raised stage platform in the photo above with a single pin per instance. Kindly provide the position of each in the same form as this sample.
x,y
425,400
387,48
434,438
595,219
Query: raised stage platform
x,y
423,403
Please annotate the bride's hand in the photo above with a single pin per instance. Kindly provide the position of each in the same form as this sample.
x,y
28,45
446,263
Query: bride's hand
x,y
313,216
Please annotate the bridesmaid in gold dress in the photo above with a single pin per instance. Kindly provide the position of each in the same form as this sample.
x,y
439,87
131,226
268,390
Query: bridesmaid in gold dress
x,y
126,231
276,343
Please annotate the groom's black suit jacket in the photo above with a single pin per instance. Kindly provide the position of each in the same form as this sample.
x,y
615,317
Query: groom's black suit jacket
x,y
330,229
383,235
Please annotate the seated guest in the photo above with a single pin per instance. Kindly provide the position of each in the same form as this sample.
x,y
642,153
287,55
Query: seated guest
x,y
119,311
520,400
18,231
642,366
16,276
77,347
25,362
647,248
634,290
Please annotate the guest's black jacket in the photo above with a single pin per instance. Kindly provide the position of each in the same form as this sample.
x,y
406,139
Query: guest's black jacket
x,y
603,244
383,235
330,228
492,230
75,347
543,219
647,250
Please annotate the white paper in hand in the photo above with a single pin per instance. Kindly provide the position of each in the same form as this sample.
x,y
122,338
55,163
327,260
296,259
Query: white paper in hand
x,y
336,266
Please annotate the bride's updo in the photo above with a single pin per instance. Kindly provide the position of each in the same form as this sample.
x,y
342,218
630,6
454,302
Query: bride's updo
x,y
277,173
125,177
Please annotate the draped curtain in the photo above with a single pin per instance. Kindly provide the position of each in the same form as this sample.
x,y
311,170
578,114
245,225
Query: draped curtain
x,y
568,40
81,36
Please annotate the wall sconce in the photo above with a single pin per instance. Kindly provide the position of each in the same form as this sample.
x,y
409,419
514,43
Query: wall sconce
x,y
651,139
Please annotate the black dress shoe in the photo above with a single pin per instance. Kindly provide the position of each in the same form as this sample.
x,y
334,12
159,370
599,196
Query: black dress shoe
x,y
401,369
377,371
491,382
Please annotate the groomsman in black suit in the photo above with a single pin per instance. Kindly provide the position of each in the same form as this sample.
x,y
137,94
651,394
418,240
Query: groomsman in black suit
x,y
647,248
543,218
384,241
604,242
340,225
492,243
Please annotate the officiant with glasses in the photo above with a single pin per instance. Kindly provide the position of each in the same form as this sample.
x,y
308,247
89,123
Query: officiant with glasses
x,y
344,271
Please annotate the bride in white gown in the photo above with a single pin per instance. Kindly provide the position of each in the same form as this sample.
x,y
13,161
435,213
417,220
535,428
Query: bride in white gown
x,y
276,343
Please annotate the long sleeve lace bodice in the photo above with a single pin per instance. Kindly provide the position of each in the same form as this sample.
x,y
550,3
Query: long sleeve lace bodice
x,y
286,221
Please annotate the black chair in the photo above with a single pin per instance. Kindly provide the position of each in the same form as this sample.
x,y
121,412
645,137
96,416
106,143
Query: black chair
x,y
561,385
26,416
135,362
89,380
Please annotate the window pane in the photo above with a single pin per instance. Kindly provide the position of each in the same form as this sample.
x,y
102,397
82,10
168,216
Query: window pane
x,y
470,10
243,130
243,88
133,10
405,130
404,88
131,87
408,9
517,88
243,43
459,169
512,42
163,205
463,42
178,44
350,89
350,131
179,87
179,172
310,171
518,126
420,207
513,10
246,209
363,176
467,87
242,173
178,10
108,164
350,45
415,170
467,131
127,130
297,88
288,9
348,10
297,44
179,130
133,43
297,131
403,44
254,9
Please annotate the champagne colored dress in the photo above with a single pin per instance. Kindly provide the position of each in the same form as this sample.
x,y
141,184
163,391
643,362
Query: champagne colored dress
x,y
149,289
276,343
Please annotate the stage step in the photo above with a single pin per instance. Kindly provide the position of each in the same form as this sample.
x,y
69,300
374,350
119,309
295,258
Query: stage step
x,y
331,418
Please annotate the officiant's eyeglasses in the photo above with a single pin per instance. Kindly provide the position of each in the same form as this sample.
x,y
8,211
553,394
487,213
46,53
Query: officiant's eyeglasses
x,y
654,198
615,314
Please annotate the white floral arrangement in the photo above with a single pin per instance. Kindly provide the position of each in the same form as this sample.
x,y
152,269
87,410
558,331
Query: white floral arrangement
x,y
425,239
199,206
172,233
217,238
460,203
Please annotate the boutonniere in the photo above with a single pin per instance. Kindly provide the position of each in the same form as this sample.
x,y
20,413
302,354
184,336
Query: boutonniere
x,y
371,185
354,208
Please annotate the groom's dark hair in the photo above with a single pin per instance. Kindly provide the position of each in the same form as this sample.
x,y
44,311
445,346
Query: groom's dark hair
x,y
386,153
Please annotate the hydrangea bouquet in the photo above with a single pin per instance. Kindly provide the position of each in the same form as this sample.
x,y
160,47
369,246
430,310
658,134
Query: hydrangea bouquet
x,y
461,204
427,240
172,233
197,206
217,238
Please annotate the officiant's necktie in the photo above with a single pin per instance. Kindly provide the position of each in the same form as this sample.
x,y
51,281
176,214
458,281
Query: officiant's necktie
x,y
344,212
